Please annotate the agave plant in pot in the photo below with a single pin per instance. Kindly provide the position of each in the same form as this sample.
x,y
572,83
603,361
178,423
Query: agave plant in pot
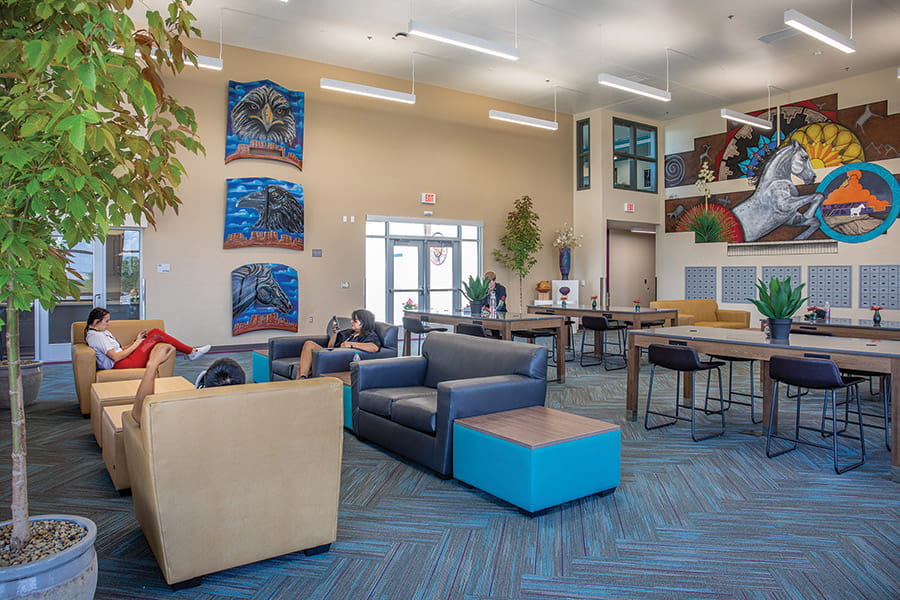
x,y
476,290
88,138
778,301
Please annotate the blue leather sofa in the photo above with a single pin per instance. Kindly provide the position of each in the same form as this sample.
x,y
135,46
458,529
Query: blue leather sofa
x,y
408,405
284,352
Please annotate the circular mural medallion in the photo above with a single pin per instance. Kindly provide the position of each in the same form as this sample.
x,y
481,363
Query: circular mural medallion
x,y
829,144
861,201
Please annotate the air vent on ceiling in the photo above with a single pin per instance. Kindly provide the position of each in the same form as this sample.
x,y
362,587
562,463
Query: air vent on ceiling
x,y
777,36
782,248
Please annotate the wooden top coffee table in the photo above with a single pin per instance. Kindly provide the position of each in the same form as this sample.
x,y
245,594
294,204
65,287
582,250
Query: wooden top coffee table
x,y
111,393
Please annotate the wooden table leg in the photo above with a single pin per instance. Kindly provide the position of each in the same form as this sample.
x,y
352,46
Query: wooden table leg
x,y
407,342
634,375
561,343
895,416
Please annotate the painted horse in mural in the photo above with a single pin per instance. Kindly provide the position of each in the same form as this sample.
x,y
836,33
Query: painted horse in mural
x,y
775,201
255,283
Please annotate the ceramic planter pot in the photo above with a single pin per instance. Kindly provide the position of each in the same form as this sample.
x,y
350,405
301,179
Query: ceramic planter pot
x,y
780,329
67,575
32,375
476,307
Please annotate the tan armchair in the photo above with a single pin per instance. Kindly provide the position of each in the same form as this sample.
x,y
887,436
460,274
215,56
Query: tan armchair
x,y
226,476
705,312
84,359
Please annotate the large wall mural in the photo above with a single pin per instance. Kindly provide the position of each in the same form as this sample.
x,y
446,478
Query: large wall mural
x,y
264,296
814,134
265,120
261,211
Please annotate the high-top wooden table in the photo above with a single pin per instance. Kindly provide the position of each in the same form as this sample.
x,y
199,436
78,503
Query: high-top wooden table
x,y
505,323
857,328
669,316
878,356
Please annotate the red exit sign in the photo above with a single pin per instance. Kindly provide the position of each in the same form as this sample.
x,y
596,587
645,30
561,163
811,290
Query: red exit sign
x,y
429,198
629,207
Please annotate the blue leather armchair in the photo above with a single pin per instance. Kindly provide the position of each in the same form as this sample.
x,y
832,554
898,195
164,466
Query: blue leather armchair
x,y
408,405
284,352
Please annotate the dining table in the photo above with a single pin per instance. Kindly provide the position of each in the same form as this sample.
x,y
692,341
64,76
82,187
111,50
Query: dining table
x,y
503,322
635,318
861,354
857,328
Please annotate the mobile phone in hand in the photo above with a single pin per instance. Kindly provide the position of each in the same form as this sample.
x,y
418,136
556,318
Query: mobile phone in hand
x,y
334,325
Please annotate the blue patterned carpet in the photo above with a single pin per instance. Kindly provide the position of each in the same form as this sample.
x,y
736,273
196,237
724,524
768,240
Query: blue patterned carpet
x,y
708,520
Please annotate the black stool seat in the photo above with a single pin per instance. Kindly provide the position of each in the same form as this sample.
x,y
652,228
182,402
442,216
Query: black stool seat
x,y
815,374
413,325
683,359
470,329
602,324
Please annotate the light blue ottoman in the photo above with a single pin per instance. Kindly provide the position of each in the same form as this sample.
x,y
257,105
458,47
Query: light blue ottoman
x,y
537,457
259,365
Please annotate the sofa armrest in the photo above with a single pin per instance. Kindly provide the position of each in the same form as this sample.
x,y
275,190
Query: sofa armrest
x,y
332,360
84,367
685,319
740,316
387,372
484,395
289,346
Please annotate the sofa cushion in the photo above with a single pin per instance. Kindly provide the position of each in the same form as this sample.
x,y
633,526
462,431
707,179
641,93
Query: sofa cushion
x,y
379,401
286,367
419,413
452,356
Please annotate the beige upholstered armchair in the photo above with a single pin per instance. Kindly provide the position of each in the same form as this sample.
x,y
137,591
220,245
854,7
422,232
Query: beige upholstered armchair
x,y
84,360
226,476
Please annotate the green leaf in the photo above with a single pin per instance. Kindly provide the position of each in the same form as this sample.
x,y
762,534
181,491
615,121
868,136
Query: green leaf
x,y
16,157
88,75
36,54
76,136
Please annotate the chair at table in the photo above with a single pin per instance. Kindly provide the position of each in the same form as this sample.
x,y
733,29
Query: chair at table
x,y
602,324
752,396
472,329
815,374
413,325
683,359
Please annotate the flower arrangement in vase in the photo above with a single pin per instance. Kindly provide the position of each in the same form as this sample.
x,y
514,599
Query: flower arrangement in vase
x,y
876,314
410,304
637,305
565,241
593,302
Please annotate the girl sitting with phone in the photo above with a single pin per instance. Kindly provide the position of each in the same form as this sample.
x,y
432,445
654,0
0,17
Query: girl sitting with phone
x,y
361,336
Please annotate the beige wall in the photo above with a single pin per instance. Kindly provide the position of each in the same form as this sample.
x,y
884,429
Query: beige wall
x,y
361,156
632,267
675,251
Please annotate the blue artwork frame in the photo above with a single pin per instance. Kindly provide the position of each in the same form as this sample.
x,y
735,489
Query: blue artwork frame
x,y
264,296
265,120
875,180
261,211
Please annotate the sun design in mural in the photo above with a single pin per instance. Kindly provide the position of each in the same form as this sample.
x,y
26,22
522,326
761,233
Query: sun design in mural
x,y
756,153
829,145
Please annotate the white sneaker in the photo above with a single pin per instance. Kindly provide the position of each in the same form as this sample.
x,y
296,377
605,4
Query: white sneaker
x,y
199,351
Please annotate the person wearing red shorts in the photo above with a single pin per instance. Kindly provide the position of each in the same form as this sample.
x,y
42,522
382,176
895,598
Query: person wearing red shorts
x,y
111,355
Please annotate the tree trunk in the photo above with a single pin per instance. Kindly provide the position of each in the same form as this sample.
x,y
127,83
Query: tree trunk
x,y
21,531
521,285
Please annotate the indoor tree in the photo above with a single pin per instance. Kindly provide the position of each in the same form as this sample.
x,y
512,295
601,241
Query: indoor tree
x,y
88,138
520,242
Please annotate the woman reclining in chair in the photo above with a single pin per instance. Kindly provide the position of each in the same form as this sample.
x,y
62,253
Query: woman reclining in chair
x,y
111,355
361,336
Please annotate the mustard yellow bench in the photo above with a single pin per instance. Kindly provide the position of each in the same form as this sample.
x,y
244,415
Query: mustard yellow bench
x,y
706,313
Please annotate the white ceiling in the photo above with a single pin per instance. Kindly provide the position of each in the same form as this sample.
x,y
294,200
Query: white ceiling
x,y
715,56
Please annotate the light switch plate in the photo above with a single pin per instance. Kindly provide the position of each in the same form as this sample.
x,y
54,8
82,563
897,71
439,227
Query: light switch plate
x,y
345,284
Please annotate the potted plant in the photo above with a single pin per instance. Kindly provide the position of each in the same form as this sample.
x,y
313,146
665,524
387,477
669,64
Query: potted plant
x,y
520,242
476,290
88,138
779,301
566,240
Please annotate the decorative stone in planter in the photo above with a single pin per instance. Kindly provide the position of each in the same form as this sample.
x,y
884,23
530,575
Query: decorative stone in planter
x,y
70,574
32,375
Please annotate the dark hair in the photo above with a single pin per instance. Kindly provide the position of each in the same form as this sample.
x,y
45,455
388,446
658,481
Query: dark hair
x,y
366,320
95,315
223,372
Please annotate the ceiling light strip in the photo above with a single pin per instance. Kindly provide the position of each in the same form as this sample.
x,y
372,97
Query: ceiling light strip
x,y
448,36
809,26
204,62
366,90
733,115
633,87
499,115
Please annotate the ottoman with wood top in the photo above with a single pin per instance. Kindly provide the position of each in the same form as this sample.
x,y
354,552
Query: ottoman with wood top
x,y
111,393
537,457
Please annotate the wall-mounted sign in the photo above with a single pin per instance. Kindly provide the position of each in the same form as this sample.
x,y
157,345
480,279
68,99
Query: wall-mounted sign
x,y
429,198
629,207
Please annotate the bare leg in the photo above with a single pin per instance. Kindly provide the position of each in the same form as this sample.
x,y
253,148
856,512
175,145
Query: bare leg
x,y
306,358
158,355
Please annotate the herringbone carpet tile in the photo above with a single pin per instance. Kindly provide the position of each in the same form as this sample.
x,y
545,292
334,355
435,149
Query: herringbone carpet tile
x,y
709,520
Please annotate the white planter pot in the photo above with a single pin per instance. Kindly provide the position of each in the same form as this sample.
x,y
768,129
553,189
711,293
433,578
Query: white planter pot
x,y
67,575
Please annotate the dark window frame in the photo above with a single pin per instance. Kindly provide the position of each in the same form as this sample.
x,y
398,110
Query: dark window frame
x,y
634,156
582,156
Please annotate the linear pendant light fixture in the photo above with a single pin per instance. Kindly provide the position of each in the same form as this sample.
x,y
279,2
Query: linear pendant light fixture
x,y
733,115
500,115
638,88
809,26
366,90
455,38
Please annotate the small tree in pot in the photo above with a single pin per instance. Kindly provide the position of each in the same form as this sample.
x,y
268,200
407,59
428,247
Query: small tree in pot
x,y
88,137
520,242
779,301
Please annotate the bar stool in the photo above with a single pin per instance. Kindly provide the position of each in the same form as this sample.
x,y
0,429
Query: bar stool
x,y
602,324
472,329
414,325
814,374
752,396
683,359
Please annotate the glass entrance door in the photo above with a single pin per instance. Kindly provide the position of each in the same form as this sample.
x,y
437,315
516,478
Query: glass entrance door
x,y
111,278
423,271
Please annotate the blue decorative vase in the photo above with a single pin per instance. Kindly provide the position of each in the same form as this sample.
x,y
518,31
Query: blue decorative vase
x,y
876,318
565,262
